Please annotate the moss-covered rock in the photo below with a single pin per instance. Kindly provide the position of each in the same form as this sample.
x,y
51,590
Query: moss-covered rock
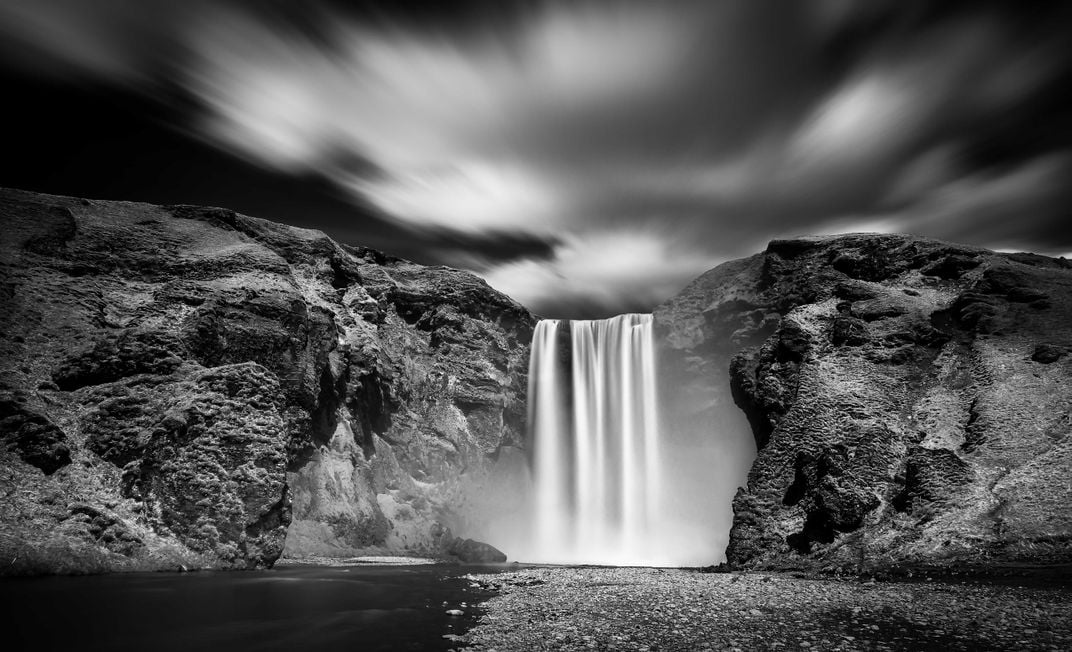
x,y
909,399
221,381
128,353
32,436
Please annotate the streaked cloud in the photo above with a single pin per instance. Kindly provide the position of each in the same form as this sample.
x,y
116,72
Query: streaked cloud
x,y
118,40
573,123
993,207
481,196
629,269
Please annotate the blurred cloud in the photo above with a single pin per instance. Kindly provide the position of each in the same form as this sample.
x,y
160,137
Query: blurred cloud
x,y
125,41
568,125
481,196
630,269
993,207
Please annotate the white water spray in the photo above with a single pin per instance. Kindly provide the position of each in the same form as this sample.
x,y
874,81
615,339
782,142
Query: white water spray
x,y
597,468
629,462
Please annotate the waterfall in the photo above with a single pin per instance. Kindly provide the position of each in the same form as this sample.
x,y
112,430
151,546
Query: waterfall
x,y
596,450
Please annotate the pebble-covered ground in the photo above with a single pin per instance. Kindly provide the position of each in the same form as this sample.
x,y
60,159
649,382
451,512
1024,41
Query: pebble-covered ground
x,y
656,609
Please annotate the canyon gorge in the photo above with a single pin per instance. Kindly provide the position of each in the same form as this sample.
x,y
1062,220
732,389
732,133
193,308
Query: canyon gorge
x,y
190,387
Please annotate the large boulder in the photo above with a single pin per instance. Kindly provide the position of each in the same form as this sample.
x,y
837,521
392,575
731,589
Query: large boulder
x,y
187,385
908,399
475,552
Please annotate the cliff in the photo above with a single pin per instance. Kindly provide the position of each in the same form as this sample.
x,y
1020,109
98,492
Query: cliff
x,y
186,385
910,400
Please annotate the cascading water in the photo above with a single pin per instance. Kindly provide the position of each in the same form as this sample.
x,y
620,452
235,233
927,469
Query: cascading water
x,y
598,477
629,462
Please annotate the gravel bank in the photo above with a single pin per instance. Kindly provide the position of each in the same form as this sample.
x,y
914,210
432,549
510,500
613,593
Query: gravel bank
x,y
656,609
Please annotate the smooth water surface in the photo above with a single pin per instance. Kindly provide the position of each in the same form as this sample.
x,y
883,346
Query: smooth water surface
x,y
296,608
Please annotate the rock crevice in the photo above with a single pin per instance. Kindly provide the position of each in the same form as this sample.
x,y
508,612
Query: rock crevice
x,y
900,391
224,388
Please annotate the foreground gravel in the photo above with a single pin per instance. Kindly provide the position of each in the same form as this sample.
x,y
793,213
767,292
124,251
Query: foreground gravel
x,y
655,609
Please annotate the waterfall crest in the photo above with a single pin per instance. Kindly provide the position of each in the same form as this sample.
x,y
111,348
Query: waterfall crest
x,y
595,443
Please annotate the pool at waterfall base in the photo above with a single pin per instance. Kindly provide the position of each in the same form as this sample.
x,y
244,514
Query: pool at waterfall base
x,y
314,609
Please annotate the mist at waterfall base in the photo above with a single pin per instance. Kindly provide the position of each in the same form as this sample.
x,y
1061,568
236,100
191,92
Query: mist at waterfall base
x,y
616,477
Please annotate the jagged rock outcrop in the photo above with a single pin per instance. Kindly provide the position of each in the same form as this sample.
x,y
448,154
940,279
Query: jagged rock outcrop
x,y
910,400
186,385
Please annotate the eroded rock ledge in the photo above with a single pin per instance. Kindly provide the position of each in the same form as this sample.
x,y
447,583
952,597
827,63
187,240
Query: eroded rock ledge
x,y
186,385
910,400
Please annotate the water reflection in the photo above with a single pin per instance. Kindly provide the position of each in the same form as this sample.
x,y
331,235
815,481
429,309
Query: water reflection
x,y
366,608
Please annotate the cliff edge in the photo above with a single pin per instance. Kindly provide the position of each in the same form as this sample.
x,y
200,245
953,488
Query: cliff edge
x,y
910,400
183,385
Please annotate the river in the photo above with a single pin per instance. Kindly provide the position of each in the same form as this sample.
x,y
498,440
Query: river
x,y
294,608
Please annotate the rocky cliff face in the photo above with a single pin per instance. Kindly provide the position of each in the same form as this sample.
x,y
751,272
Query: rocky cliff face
x,y
189,385
910,400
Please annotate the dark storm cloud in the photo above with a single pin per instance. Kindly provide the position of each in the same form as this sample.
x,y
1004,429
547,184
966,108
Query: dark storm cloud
x,y
593,157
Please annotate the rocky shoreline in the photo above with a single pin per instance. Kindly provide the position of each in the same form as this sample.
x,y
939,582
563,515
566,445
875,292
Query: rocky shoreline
x,y
647,609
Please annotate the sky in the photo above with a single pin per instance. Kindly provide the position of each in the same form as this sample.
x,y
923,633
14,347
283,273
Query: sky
x,y
586,158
